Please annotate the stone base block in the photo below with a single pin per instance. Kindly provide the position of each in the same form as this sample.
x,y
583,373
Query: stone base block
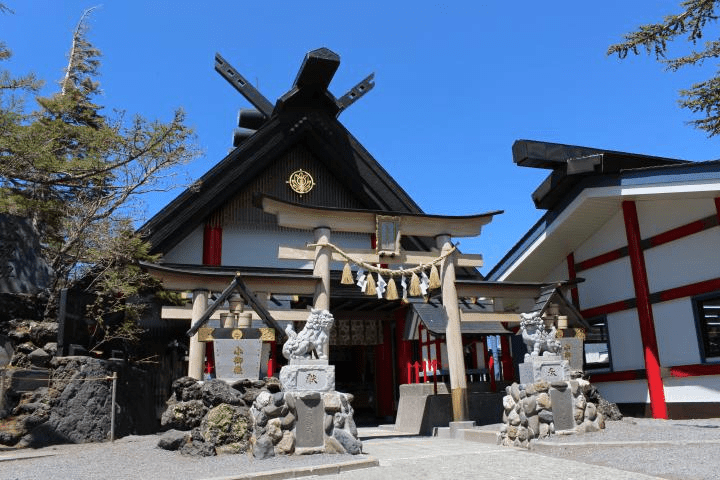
x,y
550,368
308,377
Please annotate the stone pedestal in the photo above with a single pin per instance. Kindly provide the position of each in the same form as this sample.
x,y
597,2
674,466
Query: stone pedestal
x,y
550,368
308,376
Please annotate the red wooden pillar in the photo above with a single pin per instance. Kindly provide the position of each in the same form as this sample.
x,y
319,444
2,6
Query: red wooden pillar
x,y
506,361
645,313
403,347
212,255
383,374
212,244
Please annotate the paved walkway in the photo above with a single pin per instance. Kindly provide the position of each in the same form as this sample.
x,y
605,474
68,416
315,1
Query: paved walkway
x,y
672,449
410,457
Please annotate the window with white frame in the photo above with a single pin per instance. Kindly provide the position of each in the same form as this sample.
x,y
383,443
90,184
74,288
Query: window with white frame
x,y
707,317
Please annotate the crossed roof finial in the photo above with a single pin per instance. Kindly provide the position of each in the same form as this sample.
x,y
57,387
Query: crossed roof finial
x,y
310,85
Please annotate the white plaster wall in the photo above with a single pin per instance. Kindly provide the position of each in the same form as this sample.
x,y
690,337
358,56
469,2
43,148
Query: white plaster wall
x,y
257,248
688,260
189,250
692,389
676,333
633,391
606,283
626,350
610,236
558,273
658,216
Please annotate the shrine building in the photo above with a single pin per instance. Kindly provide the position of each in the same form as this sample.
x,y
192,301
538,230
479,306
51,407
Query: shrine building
x,y
297,192
643,232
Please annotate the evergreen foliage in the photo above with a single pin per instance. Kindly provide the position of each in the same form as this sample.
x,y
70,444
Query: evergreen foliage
x,y
78,173
695,19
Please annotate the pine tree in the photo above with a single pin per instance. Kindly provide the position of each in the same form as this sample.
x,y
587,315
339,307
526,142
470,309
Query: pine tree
x,y
79,175
702,97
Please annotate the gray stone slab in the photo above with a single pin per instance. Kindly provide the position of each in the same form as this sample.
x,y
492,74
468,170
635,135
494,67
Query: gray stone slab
x,y
422,389
237,359
526,373
571,349
314,378
309,427
22,269
562,408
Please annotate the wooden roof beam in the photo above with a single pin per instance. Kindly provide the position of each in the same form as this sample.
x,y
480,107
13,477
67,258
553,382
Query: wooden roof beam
x,y
302,217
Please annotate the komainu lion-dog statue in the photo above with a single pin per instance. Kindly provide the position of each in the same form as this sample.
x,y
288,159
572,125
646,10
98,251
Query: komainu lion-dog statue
x,y
312,339
537,336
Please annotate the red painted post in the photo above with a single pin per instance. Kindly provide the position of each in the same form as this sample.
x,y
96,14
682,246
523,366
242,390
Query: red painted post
x,y
271,360
435,369
645,313
416,366
212,255
506,361
403,347
384,373
209,358
212,245
485,354
438,352
491,369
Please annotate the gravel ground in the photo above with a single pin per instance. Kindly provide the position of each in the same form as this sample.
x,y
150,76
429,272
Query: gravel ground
x,y
138,457
673,449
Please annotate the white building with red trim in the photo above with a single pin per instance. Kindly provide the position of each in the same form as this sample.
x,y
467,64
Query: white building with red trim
x,y
643,232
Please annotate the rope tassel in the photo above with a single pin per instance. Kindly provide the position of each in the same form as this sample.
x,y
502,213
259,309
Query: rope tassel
x,y
392,293
370,290
414,286
347,278
434,281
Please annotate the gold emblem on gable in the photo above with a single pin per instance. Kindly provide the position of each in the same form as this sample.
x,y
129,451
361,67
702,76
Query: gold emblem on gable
x,y
301,181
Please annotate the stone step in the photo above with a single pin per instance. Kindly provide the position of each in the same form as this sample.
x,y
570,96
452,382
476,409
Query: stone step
x,y
473,434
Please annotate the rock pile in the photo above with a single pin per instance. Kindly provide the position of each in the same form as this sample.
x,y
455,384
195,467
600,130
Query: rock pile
x,y
275,424
212,417
528,411
207,418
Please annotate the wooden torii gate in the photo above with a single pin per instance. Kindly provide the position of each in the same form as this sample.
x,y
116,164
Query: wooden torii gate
x,y
389,228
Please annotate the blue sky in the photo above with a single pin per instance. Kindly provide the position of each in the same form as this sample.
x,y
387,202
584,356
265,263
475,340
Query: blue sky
x,y
456,83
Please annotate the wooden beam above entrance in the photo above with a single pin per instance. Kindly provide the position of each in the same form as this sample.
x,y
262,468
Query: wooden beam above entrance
x,y
189,277
185,313
371,256
302,217
484,289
